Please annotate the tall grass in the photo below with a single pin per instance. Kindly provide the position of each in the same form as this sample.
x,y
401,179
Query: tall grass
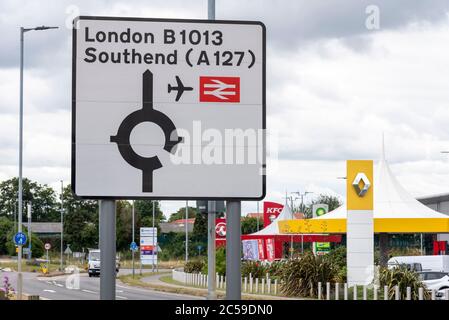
x,y
300,276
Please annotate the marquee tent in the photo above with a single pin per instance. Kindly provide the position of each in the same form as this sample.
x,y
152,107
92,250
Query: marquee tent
x,y
271,234
395,211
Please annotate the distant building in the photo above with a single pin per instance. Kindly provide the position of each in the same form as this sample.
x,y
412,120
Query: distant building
x,y
440,203
296,215
177,226
45,229
255,215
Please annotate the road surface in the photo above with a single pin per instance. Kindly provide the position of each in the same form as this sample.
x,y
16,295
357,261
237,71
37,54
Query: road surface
x,y
58,288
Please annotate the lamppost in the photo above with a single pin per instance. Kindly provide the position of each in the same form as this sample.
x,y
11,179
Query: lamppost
x,y
62,226
291,206
302,195
19,257
187,232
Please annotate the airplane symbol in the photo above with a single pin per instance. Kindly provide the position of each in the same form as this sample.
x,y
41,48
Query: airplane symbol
x,y
180,88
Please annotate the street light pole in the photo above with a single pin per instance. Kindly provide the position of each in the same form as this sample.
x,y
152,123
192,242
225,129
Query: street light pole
x,y
19,257
132,249
29,230
258,216
61,262
187,231
154,242
302,195
291,237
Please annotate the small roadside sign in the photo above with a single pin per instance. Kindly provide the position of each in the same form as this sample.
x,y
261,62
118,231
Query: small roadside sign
x,y
133,246
20,239
67,250
47,246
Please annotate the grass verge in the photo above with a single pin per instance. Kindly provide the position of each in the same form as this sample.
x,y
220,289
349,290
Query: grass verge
x,y
174,286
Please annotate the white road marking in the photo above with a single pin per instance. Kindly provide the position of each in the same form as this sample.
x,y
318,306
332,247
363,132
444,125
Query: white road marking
x,y
49,290
59,285
120,297
89,291
149,290
119,291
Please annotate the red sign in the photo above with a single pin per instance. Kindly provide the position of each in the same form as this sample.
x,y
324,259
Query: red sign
x,y
270,211
145,250
261,249
219,89
220,228
270,249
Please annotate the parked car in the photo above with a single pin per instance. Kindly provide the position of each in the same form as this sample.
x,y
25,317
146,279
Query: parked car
x,y
438,281
422,263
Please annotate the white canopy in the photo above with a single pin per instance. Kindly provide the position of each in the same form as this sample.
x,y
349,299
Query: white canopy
x,y
391,200
273,228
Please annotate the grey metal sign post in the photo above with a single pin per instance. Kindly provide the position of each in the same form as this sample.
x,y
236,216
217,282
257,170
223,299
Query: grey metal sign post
x,y
107,249
133,240
233,250
29,229
211,274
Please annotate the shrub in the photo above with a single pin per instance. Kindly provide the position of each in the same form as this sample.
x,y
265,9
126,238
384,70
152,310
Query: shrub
x,y
275,268
257,269
194,266
220,262
402,277
300,277
337,257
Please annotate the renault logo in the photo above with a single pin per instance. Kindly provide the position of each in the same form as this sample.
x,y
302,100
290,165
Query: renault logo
x,y
361,178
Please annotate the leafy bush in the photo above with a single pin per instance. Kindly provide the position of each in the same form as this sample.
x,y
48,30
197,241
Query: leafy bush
x,y
300,277
402,277
275,268
220,262
257,269
36,243
337,257
194,266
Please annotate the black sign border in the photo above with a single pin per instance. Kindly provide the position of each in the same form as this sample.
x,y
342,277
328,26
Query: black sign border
x,y
264,107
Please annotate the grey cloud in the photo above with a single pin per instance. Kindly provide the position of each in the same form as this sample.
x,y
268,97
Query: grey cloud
x,y
291,24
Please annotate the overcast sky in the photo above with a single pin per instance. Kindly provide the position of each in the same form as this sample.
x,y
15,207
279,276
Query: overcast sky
x,y
333,87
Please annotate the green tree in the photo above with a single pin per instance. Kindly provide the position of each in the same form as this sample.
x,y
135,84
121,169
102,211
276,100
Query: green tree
x,y
181,213
249,225
144,208
200,227
81,223
332,201
43,200
7,245
6,229
124,225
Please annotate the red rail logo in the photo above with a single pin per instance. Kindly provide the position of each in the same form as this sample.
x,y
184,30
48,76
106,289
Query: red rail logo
x,y
219,89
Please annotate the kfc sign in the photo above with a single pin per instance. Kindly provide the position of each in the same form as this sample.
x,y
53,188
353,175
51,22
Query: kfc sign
x,y
270,211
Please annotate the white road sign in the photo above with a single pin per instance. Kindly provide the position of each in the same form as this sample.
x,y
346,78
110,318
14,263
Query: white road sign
x,y
47,246
168,109
148,245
